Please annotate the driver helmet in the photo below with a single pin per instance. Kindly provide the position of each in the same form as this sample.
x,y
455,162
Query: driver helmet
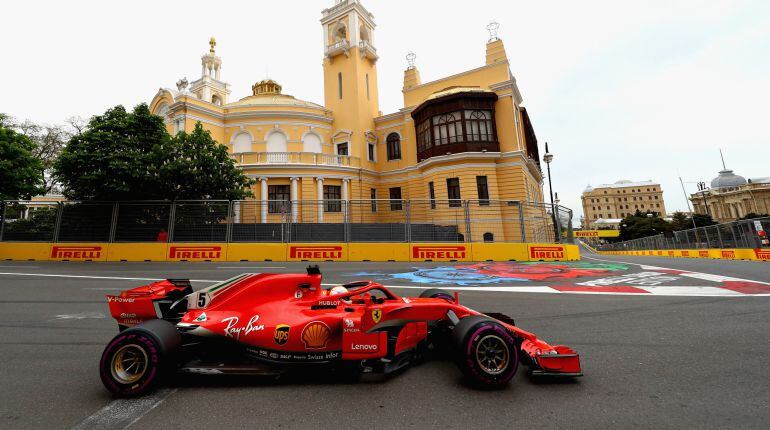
x,y
339,290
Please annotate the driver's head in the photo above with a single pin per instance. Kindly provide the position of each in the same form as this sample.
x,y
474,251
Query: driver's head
x,y
338,290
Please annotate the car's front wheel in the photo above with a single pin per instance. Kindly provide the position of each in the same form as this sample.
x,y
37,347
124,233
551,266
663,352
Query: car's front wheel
x,y
485,351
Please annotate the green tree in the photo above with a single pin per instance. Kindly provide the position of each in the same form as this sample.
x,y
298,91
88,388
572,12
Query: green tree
x,y
197,167
702,220
643,225
752,215
130,156
680,221
21,174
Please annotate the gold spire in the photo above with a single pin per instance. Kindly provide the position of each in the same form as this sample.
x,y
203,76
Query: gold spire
x,y
213,44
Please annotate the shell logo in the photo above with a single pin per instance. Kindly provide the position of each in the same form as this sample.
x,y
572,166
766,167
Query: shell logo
x,y
316,335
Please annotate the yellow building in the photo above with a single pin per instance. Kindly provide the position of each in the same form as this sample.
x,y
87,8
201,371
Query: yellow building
x,y
731,197
604,206
461,137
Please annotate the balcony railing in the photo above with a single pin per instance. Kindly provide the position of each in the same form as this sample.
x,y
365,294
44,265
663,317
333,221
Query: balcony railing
x,y
308,158
339,47
367,50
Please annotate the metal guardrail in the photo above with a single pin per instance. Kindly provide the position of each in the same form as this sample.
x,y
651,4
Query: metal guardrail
x,y
736,234
283,221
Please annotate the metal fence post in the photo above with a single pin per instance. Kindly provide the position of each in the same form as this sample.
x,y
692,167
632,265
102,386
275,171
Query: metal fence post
x,y
346,221
467,213
171,222
2,219
719,236
57,225
229,228
408,221
521,222
113,222
570,234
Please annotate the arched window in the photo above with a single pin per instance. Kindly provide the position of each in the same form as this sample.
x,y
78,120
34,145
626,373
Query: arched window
x,y
242,143
311,143
161,110
489,237
394,146
341,33
447,129
276,142
479,125
364,34
216,100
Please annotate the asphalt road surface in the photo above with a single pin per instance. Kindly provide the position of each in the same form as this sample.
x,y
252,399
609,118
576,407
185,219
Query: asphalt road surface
x,y
664,343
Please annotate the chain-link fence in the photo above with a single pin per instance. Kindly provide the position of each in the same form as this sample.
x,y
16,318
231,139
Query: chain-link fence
x,y
285,221
737,234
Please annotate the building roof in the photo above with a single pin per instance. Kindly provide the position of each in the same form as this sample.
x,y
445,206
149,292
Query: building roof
x,y
623,183
727,179
765,180
267,92
456,90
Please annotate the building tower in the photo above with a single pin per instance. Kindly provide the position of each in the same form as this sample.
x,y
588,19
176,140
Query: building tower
x,y
350,76
209,87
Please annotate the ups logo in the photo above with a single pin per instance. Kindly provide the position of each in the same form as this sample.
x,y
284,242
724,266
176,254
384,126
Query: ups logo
x,y
281,334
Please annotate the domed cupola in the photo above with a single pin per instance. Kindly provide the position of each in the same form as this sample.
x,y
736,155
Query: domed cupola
x,y
266,86
727,179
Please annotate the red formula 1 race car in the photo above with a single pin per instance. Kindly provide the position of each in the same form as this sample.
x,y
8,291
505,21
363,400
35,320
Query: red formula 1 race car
x,y
268,323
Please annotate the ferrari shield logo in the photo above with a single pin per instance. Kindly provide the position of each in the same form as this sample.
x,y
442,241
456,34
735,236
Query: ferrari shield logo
x,y
376,315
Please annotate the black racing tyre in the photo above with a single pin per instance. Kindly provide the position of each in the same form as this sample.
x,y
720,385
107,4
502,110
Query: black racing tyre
x,y
485,351
134,360
437,293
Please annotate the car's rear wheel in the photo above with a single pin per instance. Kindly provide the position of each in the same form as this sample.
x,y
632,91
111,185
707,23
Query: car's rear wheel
x,y
133,361
485,351
437,293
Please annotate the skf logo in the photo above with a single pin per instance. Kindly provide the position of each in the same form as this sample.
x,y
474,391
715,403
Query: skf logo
x,y
84,252
762,254
202,252
448,252
703,254
331,252
546,252
728,254
376,315
281,334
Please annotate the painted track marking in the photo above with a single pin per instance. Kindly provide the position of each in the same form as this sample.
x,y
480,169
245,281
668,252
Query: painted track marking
x,y
697,290
122,413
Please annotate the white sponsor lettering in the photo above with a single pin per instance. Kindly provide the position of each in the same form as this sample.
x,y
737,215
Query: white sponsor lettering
x,y
118,299
234,331
328,303
641,278
361,347
125,315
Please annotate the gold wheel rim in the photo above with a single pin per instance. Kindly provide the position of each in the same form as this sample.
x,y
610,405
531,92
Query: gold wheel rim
x,y
129,364
492,354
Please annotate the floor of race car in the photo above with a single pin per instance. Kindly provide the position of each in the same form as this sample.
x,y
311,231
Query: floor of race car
x,y
663,342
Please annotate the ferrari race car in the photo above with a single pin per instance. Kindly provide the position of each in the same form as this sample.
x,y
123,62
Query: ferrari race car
x,y
267,324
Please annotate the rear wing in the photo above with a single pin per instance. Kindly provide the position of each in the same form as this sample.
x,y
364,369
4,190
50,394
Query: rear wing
x,y
159,300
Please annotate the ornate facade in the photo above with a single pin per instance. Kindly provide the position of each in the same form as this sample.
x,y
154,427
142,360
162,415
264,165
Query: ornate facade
x,y
604,206
460,137
731,197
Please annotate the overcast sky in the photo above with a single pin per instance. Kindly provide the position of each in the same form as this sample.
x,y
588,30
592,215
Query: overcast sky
x,y
619,89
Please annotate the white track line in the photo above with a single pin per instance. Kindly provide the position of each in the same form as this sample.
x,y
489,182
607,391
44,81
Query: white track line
x,y
251,267
122,413
688,273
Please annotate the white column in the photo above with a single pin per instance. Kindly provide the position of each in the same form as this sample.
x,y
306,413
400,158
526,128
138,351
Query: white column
x,y
294,199
236,212
263,198
319,182
217,72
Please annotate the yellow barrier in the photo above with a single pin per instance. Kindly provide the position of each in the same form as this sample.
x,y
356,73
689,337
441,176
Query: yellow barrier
x,y
713,253
499,252
288,251
378,252
137,252
256,252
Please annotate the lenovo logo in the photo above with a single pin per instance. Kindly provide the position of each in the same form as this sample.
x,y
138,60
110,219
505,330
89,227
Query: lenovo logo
x,y
84,252
447,252
762,254
546,252
201,252
728,254
331,252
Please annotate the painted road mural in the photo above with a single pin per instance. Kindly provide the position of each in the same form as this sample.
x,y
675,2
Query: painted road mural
x,y
499,272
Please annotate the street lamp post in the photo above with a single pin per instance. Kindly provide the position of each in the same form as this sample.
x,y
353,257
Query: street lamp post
x,y
548,157
702,189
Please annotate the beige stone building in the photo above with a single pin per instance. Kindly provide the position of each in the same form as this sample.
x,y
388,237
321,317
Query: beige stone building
x,y
606,204
731,197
